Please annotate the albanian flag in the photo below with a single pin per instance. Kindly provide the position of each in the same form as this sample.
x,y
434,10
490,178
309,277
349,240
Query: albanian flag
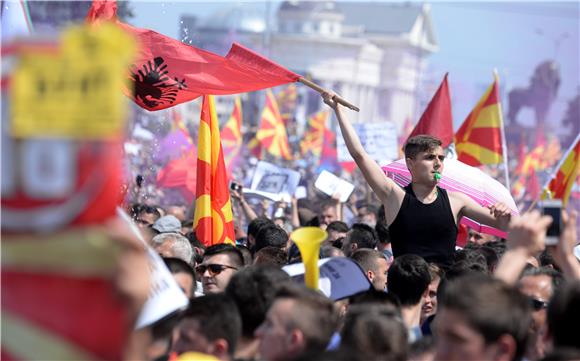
x,y
168,72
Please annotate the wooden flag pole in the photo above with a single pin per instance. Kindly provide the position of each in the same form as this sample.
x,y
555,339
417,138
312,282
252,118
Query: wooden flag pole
x,y
320,89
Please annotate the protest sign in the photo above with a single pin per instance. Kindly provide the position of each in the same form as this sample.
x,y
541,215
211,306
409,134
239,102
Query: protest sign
x,y
378,139
340,277
73,92
331,184
274,182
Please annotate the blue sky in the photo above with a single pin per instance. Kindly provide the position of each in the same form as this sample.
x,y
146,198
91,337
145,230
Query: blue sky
x,y
474,38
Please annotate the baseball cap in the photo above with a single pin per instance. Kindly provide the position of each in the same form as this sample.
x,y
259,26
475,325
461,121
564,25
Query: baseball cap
x,y
167,224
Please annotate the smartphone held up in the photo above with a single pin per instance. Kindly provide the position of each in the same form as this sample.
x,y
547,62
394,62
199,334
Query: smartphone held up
x,y
553,208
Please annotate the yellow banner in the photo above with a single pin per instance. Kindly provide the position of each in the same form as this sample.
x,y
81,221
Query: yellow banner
x,y
75,92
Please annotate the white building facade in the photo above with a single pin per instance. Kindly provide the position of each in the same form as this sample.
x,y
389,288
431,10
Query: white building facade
x,y
372,54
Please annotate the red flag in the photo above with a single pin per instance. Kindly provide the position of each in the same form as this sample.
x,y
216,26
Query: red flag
x,y
437,120
168,72
214,221
180,173
478,140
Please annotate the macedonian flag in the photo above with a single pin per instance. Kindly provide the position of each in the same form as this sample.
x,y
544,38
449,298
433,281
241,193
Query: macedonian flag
x,y
314,135
213,222
272,133
478,141
232,136
561,182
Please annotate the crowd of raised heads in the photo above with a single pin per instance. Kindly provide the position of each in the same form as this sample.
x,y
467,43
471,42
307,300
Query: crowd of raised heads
x,y
498,299
412,294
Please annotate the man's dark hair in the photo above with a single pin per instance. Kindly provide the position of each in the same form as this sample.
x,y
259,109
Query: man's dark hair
x,y
271,256
420,143
491,307
409,278
272,236
363,235
234,255
556,276
177,265
139,208
375,296
375,331
256,224
436,272
313,314
328,203
367,259
498,246
218,318
162,330
246,254
564,315
253,290
337,226
491,257
195,243
465,261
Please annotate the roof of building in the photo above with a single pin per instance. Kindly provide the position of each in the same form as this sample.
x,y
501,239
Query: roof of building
x,y
309,6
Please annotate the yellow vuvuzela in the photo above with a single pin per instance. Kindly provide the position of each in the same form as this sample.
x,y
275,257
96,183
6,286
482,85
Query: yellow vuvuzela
x,y
308,240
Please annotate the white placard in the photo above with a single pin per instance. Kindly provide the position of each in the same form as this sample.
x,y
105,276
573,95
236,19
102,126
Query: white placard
x,y
378,139
300,192
340,277
330,184
274,181
165,296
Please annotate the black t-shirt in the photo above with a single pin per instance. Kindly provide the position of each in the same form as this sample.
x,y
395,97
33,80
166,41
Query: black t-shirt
x,y
428,230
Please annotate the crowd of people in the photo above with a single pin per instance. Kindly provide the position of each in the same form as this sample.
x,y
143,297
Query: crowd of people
x,y
494,299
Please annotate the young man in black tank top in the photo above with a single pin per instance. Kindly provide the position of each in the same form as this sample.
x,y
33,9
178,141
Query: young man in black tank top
x,y
423,216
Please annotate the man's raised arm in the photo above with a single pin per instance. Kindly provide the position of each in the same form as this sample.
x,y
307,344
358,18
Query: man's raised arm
x,y
374,175
497,216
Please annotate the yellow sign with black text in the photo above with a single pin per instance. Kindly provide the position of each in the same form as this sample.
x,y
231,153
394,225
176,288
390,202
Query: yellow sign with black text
x,y
75,92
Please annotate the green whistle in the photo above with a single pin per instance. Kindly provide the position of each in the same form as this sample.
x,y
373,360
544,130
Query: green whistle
x,y
437,176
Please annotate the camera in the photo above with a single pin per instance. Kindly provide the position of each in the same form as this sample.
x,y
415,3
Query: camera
x,y
235,186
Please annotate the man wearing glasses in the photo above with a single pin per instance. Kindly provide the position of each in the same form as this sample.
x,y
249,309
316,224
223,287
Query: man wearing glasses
x,y
539,285
220,263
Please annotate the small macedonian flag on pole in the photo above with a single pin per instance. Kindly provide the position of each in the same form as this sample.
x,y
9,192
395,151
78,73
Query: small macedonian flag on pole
x,y
560,184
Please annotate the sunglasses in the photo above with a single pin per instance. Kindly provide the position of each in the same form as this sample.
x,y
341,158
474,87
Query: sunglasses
x,y
538,304
214,269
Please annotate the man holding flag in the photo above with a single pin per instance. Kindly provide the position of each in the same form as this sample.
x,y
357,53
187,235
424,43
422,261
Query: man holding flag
x,y
422,217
